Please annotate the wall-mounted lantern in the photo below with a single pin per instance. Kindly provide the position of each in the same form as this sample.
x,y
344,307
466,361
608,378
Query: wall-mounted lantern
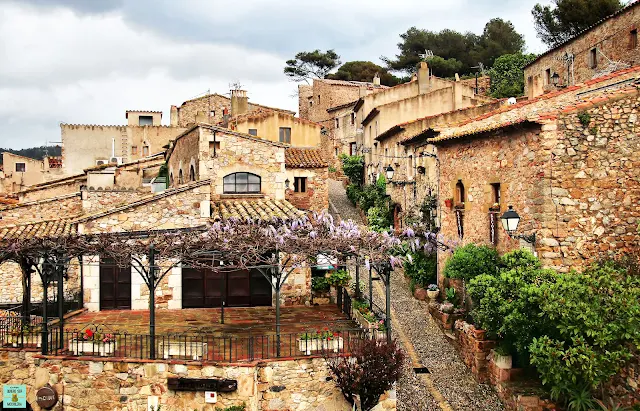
x,y
555,79
510,220
389,170
286,183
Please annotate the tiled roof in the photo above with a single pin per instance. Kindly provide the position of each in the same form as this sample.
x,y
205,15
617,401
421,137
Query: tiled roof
x,y
263,209
153,157
144,200
42,201
6,200
61,180
41,229
304,158
480,130
633,3
390,133
55,162
533,110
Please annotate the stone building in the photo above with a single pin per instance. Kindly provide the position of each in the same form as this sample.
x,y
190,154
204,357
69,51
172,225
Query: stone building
x,y
565,161
19,172
307,173
216,108
609,45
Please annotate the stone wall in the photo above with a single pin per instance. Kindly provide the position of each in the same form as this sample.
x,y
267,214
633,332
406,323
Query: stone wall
x,y
50,209
316,196
612,38
592,209
95,200
474,349
184,155
54,188
120,385
11,283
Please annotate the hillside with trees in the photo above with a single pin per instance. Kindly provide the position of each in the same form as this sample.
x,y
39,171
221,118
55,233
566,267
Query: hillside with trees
x,y
37,153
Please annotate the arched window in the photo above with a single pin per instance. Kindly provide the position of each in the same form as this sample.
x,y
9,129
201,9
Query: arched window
x,y
241,183
180,177
460,196
192,173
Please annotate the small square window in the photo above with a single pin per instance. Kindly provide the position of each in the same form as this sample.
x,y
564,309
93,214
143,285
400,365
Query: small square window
x,y
21,167
285,135
496,195
134,150
145,151
145,120
352,149
300,184
253,131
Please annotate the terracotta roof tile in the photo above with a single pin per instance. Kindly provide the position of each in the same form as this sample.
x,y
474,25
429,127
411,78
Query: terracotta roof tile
x,y
304,158
263,209
41,229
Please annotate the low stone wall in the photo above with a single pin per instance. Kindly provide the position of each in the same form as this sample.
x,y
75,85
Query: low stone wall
x,y
474,349
83,384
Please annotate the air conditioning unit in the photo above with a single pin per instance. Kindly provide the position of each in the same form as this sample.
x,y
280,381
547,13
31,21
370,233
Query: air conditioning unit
x,y
101,162
116,160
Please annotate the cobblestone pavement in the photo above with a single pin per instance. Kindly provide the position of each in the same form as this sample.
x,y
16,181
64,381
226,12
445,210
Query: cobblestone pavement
x,y
339,204
449,385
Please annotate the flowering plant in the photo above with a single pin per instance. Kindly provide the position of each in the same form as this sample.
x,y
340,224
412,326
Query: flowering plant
x,y
90,335
433,287
325,334
381,326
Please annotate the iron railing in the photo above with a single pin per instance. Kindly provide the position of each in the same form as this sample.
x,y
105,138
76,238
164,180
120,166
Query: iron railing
x,y
16,332
344,302
206,347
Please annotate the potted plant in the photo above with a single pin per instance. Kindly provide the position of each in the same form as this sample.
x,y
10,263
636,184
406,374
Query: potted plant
x,y
24,334
450,303
502,358
320,341
92,342
495,207
433,291
448,202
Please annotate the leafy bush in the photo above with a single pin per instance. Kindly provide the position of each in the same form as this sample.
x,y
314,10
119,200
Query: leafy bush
x,y
595,317
507,305
471,261
372,369
319,284
353,167
354,192
421,268
378,219
451,296
339,278
332,169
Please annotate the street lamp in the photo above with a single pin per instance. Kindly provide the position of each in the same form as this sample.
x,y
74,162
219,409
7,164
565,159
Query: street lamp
x,y
389,170
510,220
286,183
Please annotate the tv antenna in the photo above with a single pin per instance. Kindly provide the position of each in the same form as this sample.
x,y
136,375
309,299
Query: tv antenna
x,y
427,55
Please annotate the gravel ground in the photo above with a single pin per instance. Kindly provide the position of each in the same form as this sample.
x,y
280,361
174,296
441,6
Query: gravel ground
x,y
447,371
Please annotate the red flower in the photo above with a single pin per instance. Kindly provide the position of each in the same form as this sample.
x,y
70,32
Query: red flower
x,y
88,333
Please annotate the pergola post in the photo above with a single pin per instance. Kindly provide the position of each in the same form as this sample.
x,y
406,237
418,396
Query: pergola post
x,y
357,279
60,272
370,287
152,302
278,284
26,290
45,285
387,285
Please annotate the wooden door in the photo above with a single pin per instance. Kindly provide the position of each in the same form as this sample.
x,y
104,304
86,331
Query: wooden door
x,y
115,286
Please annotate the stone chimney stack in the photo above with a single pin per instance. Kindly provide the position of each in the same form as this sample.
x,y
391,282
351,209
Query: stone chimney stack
x,y
424,79
239,102
174,116
376,79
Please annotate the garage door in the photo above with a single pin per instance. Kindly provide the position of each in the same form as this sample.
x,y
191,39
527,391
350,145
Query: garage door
x,y
202,288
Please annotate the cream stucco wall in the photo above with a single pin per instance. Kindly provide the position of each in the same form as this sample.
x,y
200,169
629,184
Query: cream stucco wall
x,y
15,181
303,132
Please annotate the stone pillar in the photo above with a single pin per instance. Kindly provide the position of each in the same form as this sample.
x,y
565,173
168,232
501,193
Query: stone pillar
x,y
174,116
424,79
91,272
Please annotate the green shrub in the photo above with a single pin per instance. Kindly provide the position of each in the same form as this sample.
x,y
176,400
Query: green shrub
x,y
332,169
471,261
422,268
378,219
242,407
507,305
595,317
353,167
354,192
339,278
319,284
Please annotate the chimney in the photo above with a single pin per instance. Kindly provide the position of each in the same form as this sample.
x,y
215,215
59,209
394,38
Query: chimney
x,y
174,116
423,77
376,79
225,117
239,102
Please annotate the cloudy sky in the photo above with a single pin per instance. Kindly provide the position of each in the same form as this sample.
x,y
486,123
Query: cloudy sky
x,y
87,61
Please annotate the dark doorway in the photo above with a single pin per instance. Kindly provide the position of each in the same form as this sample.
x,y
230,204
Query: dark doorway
x,y
115,286
203,288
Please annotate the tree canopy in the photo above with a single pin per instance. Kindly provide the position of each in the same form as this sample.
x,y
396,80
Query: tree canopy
x,y
308,65
363,71
564,19
457,51
506,75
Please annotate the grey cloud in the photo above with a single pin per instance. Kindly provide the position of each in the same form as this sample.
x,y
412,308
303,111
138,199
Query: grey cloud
x,y
81,6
